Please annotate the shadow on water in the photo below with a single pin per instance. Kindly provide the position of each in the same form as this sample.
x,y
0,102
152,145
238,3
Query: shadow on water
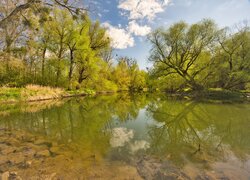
x,y
137,128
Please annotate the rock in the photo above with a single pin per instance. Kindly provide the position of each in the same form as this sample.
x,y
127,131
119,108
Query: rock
x,y
16,158
29,163
35,147
10,175
7,150
6,175
43,142
44,153
27,138
29,152
154,169
13,175
51,176
13,141
26,164
3,160
55,150
54,144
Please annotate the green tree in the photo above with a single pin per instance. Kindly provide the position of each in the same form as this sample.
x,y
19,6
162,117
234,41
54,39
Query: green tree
x,y
234,56
179,49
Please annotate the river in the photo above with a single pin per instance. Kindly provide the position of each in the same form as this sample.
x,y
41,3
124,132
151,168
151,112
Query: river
x,y
122,136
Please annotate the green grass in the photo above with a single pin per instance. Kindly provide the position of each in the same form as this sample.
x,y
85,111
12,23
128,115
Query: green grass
x,y
29,93
36,92
11,94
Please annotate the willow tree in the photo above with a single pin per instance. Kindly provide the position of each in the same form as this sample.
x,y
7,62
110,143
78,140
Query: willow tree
x,y
89,53
235,56
180,50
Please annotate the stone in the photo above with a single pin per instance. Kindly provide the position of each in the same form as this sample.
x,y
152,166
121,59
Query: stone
x,y
54,144
29,153
43,142
55,150
3,160
16,158
52,176
44,153
7,150
25,164
5,175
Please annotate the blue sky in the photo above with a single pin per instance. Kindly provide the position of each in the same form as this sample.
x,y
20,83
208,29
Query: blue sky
x,y
129,21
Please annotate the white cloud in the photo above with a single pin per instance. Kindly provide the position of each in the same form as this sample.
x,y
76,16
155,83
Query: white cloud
x,y
138,30
121,39
140,9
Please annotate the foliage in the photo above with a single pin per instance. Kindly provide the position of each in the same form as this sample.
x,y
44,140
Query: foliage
x,y
55,45
61,50
200,56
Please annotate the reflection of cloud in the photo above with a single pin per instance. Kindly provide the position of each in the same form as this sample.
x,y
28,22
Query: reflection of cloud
x,y
139,145
120,136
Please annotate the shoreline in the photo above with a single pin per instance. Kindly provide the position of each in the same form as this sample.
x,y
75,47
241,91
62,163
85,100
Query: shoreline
x,y
16,95
206,95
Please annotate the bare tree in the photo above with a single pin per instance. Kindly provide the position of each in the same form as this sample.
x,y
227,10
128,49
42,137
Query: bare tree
x,y
23,5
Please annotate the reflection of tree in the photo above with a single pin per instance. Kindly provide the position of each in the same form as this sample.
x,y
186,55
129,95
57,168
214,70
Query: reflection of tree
x,y
182,127
127,106
85,122
198,130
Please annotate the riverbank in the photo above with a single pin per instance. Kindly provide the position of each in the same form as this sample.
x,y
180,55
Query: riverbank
x,y
32,93
35,93
213,95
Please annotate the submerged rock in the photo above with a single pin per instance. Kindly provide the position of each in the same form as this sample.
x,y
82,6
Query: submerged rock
x,y
153,169
44,153
10,176
55,150
5,175
7,150
16,158
43,142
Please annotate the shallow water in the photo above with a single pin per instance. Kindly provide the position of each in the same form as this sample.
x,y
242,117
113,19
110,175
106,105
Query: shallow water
x,y
156,135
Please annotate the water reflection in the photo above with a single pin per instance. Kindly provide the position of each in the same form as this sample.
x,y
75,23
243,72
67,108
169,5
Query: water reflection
x,y
122,126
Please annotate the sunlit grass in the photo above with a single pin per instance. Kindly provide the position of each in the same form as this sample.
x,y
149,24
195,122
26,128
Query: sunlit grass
x,y
30,93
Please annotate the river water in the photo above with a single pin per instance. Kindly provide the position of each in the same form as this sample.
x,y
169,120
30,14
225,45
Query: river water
x,y
122,136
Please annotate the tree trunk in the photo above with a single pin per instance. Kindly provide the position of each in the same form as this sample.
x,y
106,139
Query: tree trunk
x,y
58,73
80,79
43,61
192,83
71,67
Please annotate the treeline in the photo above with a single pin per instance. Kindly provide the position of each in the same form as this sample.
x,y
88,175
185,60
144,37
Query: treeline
x,y
201,56
53,46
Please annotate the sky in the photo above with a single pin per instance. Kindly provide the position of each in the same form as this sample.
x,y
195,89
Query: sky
x,y
128,22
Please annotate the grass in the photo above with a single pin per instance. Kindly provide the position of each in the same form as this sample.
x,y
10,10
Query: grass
x,y
30,93
37,93
10,94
